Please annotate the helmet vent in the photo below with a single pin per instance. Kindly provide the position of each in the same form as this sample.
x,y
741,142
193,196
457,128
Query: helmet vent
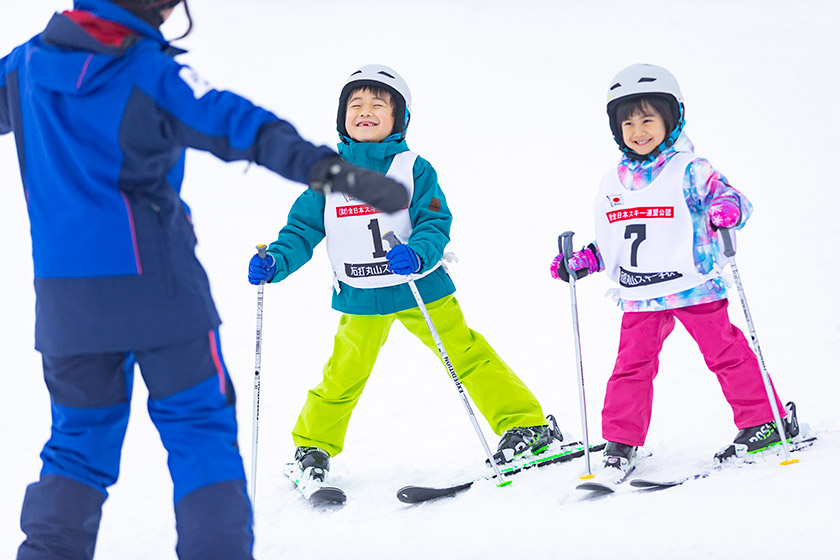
x,y
386,74
615,86
646,80
356,72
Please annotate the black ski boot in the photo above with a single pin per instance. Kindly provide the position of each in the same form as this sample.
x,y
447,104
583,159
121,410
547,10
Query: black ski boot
x,y
532,440
758,438
315,459
620,456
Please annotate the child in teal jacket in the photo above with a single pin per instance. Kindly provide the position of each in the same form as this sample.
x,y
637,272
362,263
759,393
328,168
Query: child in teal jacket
x,y
371,283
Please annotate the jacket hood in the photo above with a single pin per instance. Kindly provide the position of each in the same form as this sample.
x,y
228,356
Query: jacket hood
x,y
681,144
635,174
110,11
372,154
67,59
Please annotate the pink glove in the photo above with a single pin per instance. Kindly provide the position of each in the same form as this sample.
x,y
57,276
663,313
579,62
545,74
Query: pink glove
x,y
724,212
584,260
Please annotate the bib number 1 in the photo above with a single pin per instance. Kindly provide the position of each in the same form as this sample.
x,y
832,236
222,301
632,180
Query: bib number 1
x,y
378,250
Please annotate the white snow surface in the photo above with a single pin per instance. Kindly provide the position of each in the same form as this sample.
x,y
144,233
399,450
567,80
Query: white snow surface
x,y
509,108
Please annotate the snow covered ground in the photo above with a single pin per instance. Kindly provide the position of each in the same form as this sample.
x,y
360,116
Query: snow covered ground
x,y
509,107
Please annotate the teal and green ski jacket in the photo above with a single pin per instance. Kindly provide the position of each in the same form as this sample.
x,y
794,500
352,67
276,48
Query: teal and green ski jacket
x,y
430,219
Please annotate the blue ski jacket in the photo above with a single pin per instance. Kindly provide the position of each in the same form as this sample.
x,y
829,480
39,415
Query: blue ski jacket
x,y
101,132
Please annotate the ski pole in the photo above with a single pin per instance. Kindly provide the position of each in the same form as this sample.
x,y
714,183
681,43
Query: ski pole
x,y
391,238
565,244
729,251
255,421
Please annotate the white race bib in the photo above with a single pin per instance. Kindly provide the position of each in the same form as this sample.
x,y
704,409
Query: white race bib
x,y
646,237
354,232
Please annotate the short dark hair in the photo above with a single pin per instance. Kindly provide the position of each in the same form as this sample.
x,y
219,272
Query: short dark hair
x,y
664,104
637,105
377,92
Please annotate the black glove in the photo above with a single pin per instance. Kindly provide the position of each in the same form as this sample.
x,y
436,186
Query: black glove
x,y
369,186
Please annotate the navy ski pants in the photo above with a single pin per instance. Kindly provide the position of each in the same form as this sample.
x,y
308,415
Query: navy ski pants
x,y
191,403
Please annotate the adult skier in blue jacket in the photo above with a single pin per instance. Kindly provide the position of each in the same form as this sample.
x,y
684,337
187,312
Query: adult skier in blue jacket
x,y
102,115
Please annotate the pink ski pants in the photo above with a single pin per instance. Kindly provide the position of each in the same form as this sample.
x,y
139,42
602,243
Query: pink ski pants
x,y
629,397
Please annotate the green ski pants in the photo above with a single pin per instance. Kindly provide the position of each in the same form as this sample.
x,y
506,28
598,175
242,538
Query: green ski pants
x,y
500,396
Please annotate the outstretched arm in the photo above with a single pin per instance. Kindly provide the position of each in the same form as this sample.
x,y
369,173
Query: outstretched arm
x,y
231,127
196,115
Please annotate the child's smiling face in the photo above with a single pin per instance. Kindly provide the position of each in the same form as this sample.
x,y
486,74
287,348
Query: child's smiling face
x,y
370,117
643,131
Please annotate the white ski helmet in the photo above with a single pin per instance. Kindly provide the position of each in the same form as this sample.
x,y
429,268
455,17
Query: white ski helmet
x,y
646,80
377,75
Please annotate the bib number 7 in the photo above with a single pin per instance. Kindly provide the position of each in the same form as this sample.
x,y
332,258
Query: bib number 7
x,y
639,230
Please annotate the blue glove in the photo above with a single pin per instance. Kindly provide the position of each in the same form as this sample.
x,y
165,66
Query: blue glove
x,y
261,270
403,260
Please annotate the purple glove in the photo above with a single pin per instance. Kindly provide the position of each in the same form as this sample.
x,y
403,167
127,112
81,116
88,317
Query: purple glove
x,y
403,260
582,262
724,212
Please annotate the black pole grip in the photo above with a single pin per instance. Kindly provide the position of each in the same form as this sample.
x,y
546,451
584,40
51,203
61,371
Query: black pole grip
x,y
728,248
564,242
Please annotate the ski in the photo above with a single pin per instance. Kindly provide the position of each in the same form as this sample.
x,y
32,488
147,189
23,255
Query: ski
x,y
608,478
553,455
604,482
650,484
313,487
418,494
662,484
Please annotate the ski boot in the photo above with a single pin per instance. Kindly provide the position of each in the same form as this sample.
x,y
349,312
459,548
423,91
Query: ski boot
x,y
620,456
758,438
517,442
316,460
619,462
